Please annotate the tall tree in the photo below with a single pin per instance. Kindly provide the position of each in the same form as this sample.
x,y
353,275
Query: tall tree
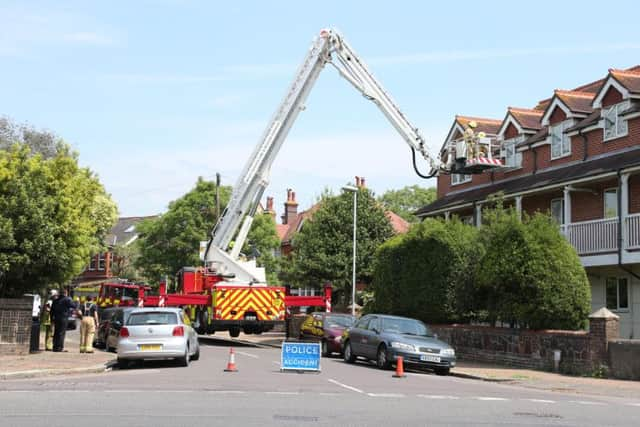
x,y
407,200
53,215
172,240
323,249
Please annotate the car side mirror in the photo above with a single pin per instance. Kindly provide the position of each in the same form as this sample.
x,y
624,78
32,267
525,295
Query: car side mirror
x,y
117,324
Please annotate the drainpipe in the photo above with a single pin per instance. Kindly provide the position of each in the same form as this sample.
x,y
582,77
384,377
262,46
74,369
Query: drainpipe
x,y
584,145
535,160
620,241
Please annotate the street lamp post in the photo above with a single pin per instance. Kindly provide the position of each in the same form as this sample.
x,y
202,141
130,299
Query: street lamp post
x,y
354,190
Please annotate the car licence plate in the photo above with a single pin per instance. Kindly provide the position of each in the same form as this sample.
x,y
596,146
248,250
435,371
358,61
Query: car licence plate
x,y
428,358
150,347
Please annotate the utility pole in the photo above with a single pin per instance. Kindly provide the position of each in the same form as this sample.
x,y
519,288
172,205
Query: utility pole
x,y
217,196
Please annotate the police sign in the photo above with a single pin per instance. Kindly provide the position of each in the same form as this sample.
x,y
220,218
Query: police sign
x,y
300,356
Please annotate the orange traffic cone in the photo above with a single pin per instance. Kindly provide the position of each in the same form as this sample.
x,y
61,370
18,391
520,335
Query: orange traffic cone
x,y
231,365
399,368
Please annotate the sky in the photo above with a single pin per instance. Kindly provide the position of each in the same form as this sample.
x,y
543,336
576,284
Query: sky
x,y
153,94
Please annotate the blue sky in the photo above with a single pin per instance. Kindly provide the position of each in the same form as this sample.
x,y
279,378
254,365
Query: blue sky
x,y
153,94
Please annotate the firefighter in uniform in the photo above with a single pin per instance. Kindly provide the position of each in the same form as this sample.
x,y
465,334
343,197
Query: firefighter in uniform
x,y
311,327
45,321
88,325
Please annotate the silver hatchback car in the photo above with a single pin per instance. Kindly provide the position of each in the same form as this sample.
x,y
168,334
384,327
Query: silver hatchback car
x,y
157,333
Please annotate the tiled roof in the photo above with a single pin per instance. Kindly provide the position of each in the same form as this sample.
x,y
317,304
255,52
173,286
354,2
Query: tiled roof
x,y
124,231
582,169
591,119
541,135
281,230
527,118
399,224
629,79
488,126
578,102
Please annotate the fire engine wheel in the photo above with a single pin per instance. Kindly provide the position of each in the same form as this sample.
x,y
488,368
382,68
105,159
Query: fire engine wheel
x,y
203,320
349,357
234,332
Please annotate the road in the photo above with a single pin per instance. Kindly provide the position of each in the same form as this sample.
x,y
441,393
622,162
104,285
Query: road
x,y
162,394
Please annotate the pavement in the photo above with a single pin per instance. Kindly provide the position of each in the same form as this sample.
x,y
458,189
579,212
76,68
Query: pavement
x,y
47,363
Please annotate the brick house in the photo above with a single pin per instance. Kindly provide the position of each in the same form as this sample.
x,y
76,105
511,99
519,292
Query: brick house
x,y
575,155
293,221
100,265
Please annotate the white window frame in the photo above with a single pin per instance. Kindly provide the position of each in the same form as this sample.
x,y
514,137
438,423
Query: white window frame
x,y
565,140
618,124
457,179
512,157
561,201
617,280
604,202
102,264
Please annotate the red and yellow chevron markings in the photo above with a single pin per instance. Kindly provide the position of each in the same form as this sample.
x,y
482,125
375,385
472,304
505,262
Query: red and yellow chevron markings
x,y
242,300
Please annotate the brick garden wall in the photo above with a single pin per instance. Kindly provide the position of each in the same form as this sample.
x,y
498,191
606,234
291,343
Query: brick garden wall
x,y
15,325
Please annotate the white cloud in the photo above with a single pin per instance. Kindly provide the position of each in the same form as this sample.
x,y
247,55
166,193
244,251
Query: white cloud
x,y
88,38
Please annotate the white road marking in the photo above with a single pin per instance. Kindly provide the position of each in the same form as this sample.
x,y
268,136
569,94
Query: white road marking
x,y
330,394
585,402
348,387
492,398
432,396
226,392
541,400
286,393
277,363
385,394
248,354
633,404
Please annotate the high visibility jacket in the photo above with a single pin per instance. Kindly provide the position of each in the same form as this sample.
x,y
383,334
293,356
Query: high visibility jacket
x,y
311,326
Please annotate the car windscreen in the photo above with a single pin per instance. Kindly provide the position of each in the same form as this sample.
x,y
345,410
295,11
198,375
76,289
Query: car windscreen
x,y
153,318
405,326
339,321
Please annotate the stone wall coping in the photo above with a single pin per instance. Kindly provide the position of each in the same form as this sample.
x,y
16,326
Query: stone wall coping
x,y
580,334
603,313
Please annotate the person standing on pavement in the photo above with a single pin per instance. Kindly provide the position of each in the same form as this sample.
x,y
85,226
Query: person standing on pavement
x,y
88,325
60,310
45,320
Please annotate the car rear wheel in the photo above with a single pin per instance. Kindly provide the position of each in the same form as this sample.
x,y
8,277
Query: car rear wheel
x,y
324,345
196,355
184,361
382,361
349,357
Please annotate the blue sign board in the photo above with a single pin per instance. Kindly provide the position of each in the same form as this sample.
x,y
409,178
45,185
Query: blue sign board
x,y
300,356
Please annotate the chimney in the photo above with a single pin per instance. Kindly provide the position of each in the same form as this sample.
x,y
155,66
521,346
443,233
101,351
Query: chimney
x,y
357,181
362,182
290,208
270,210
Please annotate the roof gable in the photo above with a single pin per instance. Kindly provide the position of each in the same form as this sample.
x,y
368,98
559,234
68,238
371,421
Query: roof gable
x,y
573,103
627,82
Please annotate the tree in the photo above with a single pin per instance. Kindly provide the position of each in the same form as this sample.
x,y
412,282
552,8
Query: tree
x,y
262,242
530,274
124,262
323,248
42,142
407,200
426,273
53,216
172,240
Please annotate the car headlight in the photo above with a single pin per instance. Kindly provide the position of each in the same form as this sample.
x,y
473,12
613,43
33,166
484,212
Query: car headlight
x,y
403,346
447,352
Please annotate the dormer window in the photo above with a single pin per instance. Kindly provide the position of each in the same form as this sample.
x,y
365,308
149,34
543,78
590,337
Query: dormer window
x,y
614,125
512,157
560,141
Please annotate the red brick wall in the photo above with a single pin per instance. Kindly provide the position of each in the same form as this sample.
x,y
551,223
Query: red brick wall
x,y
634,194
596,146
611,97
557,116
539,202
510,132
588,206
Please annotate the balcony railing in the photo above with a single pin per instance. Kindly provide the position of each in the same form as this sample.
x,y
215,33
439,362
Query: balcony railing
x,y
601,235
633,231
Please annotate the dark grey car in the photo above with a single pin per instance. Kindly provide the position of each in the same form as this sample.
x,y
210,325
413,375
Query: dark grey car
x,y
383,338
